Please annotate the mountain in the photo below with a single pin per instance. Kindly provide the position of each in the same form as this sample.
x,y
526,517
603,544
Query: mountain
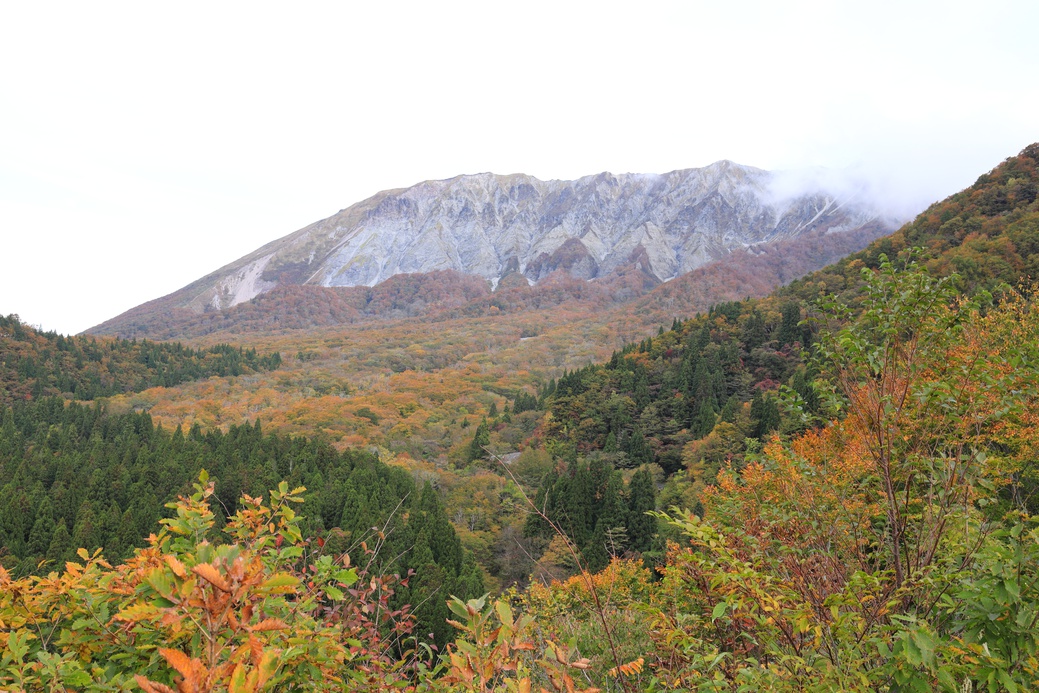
x,y
521,230
672,390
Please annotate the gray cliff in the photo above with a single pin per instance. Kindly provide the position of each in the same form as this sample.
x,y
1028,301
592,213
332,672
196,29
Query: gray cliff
x,y
492,225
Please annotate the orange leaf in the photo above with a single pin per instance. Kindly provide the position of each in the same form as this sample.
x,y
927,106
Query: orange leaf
x,y
270,624
179,661
152,687
629,669
176,566
211,575
255,650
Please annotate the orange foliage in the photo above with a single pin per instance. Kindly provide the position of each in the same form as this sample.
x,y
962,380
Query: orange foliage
x,y
819,475
621,583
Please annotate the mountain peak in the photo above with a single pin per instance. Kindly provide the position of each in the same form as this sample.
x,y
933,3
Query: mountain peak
x,y
488,225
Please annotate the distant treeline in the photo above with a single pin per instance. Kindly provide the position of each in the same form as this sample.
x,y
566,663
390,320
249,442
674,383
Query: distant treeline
x,y
35,364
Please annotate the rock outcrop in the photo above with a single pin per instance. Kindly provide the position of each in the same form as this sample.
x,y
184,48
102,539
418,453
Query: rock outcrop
x,y
492,226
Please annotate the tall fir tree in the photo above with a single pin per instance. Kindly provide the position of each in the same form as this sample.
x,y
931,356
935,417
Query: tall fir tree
x,y
642,498
481,439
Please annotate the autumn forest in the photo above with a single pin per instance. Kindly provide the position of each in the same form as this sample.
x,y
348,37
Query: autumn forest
x,y
761,475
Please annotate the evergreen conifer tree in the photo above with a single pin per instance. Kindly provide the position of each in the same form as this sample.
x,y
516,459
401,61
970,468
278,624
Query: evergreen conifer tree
x,y
60,548
764,415
789,332
481,439
642,497
704,421
593,554
638,451
730,410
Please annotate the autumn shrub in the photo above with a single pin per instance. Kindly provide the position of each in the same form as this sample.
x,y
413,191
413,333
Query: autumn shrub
x,y
497,651
189,613
567,611
881,552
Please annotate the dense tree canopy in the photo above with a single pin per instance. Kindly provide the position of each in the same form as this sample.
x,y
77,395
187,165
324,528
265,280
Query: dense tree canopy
x,y
75,477
35,363
849,466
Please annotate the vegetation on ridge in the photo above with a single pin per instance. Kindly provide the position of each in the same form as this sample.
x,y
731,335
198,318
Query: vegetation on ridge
x,y
855,454
35,364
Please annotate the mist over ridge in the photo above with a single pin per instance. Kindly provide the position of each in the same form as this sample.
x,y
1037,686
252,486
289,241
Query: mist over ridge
x,y
494,227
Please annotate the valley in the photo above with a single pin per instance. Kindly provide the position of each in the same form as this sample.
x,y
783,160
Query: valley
x,y
802,464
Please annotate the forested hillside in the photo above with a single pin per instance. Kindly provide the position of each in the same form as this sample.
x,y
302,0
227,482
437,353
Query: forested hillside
x,y
75,477
411,384
707,390
830,488
35,363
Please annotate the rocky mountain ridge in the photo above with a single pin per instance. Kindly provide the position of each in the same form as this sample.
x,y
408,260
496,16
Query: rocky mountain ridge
x,y
525,229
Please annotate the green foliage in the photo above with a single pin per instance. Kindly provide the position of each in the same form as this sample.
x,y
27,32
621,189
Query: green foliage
x,y
589,503
868,555
478,446
197,614
35,364
101,481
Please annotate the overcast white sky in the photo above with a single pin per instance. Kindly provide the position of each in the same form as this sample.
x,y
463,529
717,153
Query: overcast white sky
x,y
144,145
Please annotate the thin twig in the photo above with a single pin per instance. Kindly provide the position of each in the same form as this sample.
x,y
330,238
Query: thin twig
x,y
577,558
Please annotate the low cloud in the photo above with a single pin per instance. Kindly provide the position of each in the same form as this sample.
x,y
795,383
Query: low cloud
x,y
892,199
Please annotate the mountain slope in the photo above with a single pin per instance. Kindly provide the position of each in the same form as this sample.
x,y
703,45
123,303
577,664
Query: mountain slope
x,y
517,227
34,364
688,396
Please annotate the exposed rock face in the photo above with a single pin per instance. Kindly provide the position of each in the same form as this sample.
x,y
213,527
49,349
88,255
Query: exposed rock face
x,y
492,226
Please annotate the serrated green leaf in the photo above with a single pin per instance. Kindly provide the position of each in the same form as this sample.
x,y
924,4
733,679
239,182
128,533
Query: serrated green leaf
x,y
457,607
911,652
1008,683
347,577
280,583
75,677
925,645
291,552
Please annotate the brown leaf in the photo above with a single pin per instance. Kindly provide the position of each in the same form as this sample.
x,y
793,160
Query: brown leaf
x,y
152,687
255,650
211,575
176,566
270,624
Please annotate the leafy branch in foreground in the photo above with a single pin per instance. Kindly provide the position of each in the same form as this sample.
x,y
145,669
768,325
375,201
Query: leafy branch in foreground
x,y
189,614
885,550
